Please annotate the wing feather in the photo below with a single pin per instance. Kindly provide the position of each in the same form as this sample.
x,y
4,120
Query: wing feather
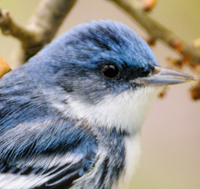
x,y
50,158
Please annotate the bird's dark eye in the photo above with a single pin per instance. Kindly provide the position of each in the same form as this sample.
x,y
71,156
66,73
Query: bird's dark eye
x,y
110,71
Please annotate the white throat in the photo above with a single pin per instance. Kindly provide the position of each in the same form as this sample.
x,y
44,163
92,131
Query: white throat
x,y
123,111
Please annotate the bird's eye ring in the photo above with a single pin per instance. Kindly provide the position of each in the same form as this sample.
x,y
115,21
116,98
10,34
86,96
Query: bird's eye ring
x,y
110,71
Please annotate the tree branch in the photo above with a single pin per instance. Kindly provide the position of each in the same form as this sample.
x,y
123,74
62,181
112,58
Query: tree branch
x,y
158,31
41,29
10,27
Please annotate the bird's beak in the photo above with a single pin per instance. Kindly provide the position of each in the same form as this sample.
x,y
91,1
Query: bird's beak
x,y
163,76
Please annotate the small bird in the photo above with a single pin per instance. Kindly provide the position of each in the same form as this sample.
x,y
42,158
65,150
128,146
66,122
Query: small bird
x,y
71,117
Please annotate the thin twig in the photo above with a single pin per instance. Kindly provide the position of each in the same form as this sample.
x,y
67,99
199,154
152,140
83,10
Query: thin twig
x,y
158,31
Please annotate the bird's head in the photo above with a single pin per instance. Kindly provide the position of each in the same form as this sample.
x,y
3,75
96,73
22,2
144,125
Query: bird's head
x,y
108,74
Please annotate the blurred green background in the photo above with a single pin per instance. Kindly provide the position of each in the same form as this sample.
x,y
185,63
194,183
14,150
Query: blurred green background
x,y
171,133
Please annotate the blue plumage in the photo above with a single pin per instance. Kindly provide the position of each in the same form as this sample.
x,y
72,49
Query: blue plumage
x,y
70,115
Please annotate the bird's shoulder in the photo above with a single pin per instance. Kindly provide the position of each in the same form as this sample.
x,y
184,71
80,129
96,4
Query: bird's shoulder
x,y
45,154
39,146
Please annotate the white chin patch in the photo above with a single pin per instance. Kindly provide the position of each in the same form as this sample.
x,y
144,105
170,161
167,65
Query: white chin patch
x,y
126,110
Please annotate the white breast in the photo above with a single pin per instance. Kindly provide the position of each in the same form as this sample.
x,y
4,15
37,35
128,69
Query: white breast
x,y
126,110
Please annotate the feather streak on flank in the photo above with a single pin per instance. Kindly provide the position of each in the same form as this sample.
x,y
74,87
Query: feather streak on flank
x,y
133,152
